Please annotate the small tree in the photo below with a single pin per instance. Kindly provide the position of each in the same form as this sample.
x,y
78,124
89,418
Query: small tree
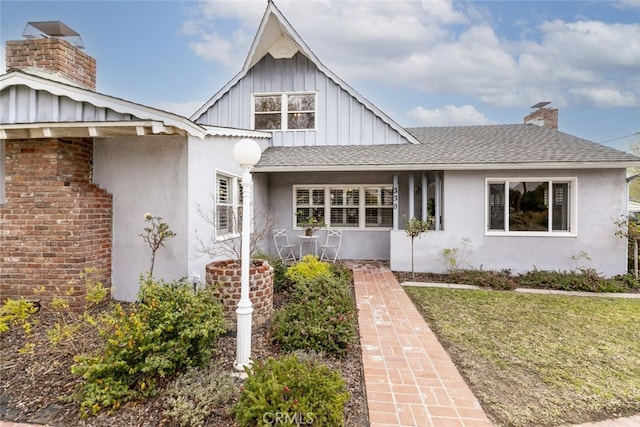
x,y
416,228
232,247
155,235
629,228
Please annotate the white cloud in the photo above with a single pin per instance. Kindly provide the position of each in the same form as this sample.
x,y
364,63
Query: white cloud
x,y
627,4
449,115
443,47
213,47
606,96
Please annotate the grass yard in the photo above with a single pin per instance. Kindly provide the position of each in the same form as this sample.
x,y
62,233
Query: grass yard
x,y
540,360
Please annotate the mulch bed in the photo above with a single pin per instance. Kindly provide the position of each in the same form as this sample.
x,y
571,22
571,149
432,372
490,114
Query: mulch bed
x,y
32,386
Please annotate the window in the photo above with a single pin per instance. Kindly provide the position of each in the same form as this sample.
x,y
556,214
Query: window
x,y
228,205
345,206
285,111
379,207
530,205
309,203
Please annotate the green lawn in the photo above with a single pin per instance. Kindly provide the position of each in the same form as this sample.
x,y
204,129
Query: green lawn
x,y
540,360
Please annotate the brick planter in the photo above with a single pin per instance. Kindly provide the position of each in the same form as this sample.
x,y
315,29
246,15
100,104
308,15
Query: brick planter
x,y
226,275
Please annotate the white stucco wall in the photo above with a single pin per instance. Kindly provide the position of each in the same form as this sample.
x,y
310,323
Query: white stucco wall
x,y
144,174
601,199
206,158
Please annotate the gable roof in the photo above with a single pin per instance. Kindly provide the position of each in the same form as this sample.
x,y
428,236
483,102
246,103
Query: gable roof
x,y
140,119
275,29
455,148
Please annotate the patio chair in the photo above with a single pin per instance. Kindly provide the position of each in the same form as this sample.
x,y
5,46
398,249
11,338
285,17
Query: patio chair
x,y
284,248
332,246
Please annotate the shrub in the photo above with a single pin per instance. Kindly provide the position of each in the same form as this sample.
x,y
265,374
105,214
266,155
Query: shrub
x,y
321,317
16,312
586,280
196,393
491,279
170,329
308,268
292,391
280,281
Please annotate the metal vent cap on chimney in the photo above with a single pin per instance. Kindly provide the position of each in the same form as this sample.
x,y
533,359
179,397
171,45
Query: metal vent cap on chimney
x,y
52,29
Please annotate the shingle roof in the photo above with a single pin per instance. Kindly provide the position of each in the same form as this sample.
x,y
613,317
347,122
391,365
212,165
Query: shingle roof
x,y
458,147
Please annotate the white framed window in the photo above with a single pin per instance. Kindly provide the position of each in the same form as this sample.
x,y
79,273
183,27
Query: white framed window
x,y
284,111
379,206
228,211
348,206
531,206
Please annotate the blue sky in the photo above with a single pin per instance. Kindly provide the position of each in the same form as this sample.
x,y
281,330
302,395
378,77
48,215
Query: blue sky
x,y
425,63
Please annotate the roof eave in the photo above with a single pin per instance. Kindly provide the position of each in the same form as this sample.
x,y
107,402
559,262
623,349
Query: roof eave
x,y
446,167
17,77
86,129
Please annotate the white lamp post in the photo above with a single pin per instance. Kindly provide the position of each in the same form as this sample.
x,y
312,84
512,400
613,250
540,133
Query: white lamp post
x,y
247,153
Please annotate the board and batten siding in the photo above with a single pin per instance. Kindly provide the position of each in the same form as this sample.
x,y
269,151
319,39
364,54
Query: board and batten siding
x,y
21,104
341,119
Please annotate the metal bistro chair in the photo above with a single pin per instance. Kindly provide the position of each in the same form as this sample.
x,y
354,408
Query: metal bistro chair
x,y
332,246
284,248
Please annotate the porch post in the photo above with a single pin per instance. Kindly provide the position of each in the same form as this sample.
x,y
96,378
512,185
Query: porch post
x,y
425,200
438,200
395,202
411,198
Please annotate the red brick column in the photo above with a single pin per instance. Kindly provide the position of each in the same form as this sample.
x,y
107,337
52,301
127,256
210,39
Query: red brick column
x,y
54,223
226,275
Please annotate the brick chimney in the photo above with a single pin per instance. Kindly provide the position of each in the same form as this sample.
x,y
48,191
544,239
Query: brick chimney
x,y
51,54
547,117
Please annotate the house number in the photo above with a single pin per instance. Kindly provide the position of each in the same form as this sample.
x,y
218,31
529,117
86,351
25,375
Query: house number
x,y
395,197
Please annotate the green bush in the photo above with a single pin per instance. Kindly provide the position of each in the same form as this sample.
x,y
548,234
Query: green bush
x,y
308,268
320,317
170,329
294,391
586,280
490,279
197,393
280,281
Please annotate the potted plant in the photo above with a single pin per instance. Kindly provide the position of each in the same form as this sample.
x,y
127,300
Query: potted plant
x,y
310,223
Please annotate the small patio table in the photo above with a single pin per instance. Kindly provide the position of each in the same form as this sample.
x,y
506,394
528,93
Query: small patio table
x,y
310,241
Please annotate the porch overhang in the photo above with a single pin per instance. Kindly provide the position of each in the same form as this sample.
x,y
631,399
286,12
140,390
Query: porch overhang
x,y
87,129
444,167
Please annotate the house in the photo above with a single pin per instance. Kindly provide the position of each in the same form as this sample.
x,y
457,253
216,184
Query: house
x,y
524,196
79,170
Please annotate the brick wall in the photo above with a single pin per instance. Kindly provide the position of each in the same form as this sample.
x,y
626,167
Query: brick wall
x,y
54,222
53,55
226,277
547,117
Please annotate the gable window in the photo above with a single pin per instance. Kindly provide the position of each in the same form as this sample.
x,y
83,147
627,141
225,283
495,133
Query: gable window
x,y
531,206
350,206
284,111
228,205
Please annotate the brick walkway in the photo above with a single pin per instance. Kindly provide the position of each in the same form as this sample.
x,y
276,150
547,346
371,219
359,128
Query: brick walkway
x,y
410,379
